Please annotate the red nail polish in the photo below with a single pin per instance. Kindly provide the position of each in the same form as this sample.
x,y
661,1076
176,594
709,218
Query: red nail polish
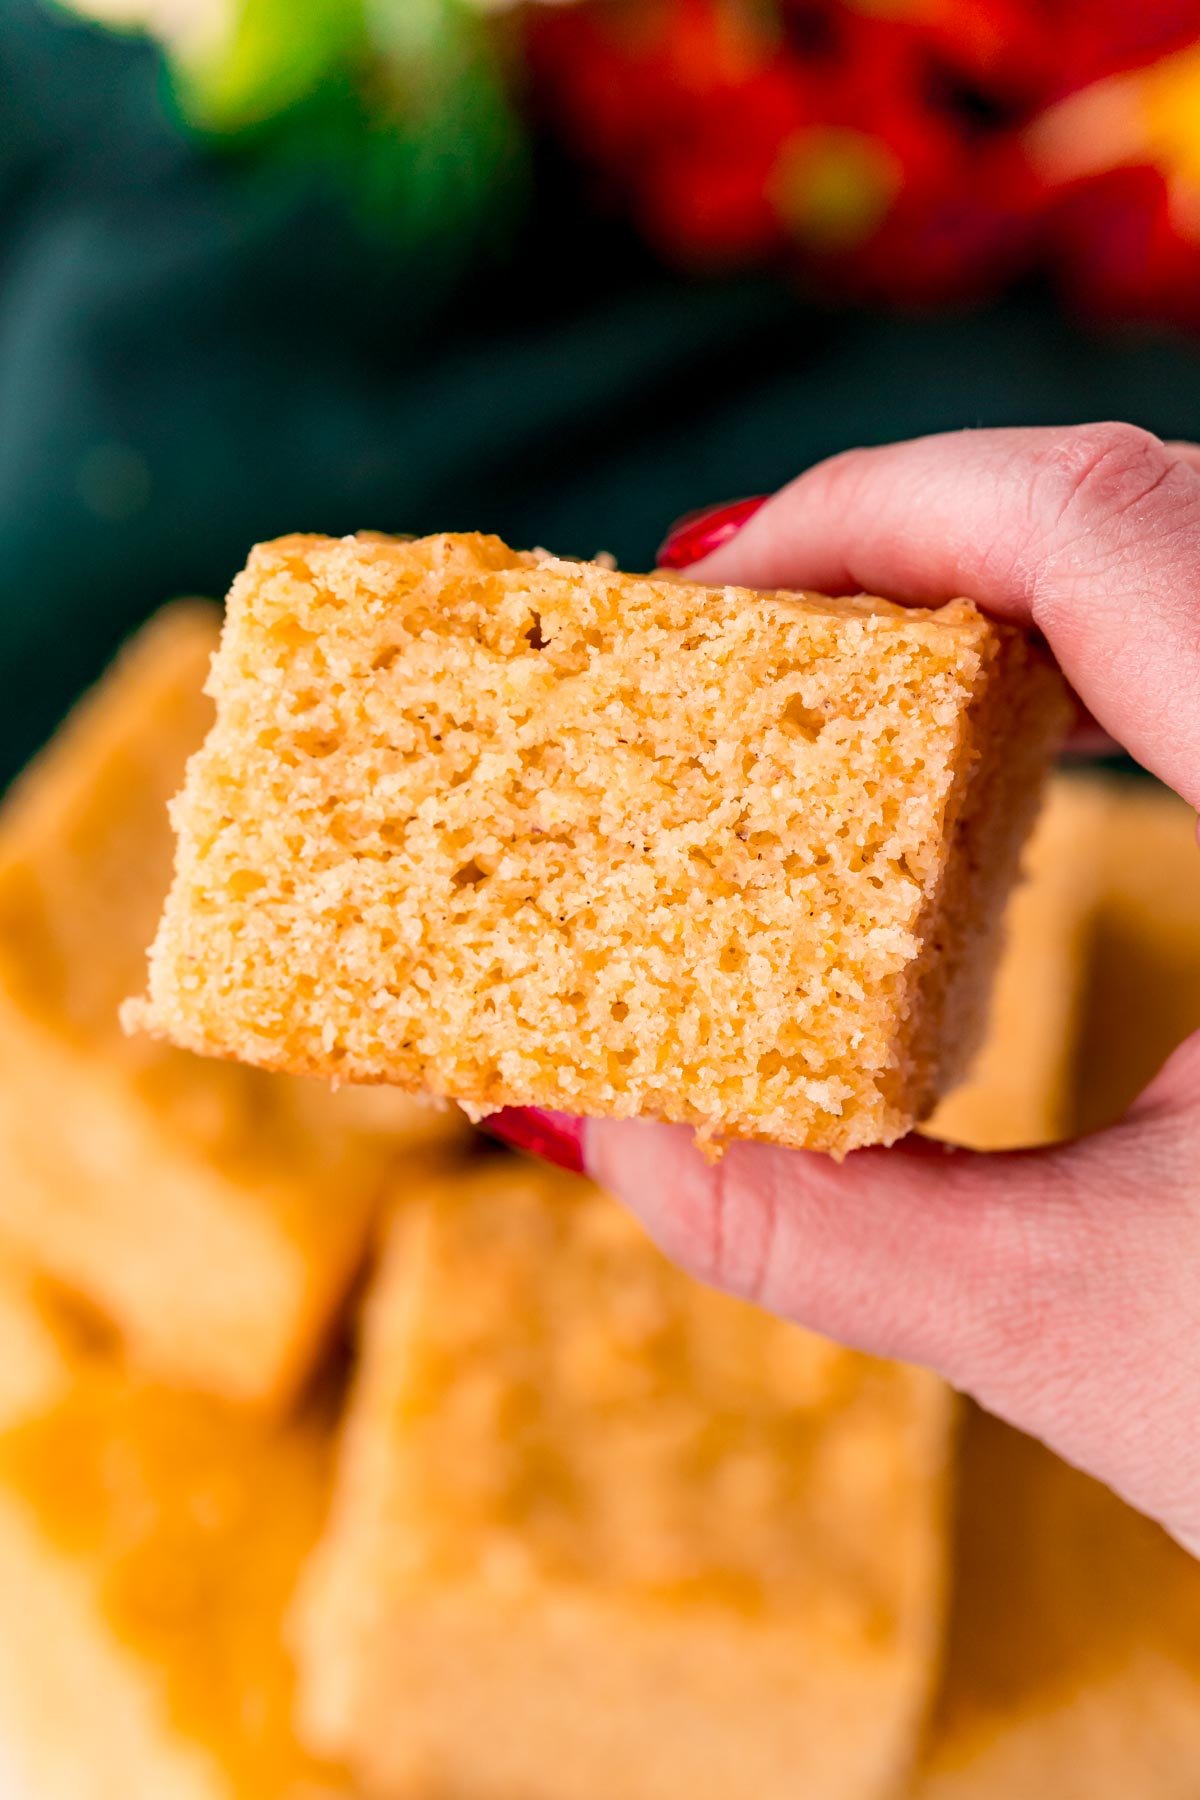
x,y
555,1137
699,533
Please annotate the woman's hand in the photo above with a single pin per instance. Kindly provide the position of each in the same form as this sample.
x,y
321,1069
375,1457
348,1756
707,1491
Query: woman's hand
x,y
1060,1287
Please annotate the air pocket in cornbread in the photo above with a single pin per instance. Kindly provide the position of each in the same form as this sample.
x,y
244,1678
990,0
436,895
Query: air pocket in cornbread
x,y
599,1531
214,1213
521,831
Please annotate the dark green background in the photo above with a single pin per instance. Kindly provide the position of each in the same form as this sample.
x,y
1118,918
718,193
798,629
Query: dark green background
x,y
198,349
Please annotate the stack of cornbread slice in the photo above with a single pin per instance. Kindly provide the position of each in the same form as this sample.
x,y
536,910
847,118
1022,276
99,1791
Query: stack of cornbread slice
x,y
178,1239
176,1518
216,1217
580,1527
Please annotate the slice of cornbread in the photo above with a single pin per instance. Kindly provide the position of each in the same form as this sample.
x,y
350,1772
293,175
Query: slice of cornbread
x,y
1020,1089
215,1213
599,1531
1073,1660
149,1543
522,831
1073,1655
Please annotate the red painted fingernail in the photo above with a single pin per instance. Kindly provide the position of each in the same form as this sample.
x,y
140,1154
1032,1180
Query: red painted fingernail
x,y
555,1137
699,533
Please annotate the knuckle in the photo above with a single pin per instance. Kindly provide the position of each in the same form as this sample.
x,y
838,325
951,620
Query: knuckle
x,y
838,478
1094,474
1098,495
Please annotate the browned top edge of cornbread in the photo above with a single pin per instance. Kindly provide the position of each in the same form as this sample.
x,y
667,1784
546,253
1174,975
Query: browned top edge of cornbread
x,y
467,552
304,556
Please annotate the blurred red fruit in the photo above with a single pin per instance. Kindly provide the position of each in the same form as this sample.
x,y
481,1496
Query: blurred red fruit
x,y
882,145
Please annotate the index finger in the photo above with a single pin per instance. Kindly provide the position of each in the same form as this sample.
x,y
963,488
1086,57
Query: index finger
x,y
1090,534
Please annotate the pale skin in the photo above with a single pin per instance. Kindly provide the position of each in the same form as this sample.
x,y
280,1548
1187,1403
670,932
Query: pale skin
x,y
1059,1287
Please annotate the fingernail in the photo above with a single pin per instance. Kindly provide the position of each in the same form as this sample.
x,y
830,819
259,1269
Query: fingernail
x,y
555,1137
697,534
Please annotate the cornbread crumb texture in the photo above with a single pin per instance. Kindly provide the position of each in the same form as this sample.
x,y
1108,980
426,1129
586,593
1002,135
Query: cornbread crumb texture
x,y
598,1530
148,1545
214,1212
521,831
1072,1666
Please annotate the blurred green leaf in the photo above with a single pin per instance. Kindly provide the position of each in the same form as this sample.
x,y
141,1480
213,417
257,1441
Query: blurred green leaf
x,y
402,102
270,55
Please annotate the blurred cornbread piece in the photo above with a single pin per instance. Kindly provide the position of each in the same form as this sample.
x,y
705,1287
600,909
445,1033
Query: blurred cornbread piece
x,y
598,1531
149,1543
1143,988
1073,1658
1020,1088
216,1214
1073,1655
522,831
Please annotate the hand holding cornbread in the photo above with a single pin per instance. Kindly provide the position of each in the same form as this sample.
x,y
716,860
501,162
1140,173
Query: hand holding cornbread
x,y
525,832
1057,1287
592,1528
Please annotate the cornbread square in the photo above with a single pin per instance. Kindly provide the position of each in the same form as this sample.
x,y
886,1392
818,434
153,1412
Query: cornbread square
x,y
598,1531
1143,987
521,831
1073,1654
1020,1088
1072,1667
215,1213
149,1543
